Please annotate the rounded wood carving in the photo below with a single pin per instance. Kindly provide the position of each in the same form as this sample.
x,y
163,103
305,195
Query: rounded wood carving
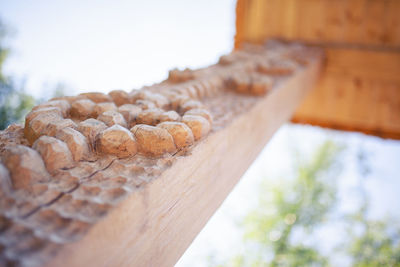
x,y
77,157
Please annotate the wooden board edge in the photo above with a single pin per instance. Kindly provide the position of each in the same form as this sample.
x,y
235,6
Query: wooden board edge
x,y
347,128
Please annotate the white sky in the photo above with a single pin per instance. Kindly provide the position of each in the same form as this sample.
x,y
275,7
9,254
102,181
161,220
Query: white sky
x,y
100,45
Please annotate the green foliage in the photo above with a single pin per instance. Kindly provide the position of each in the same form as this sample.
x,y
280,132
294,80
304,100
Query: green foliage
x,y
377,245
3,50
14,103
14,106
302,204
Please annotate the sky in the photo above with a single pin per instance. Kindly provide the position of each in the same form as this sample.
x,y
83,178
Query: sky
x,y
221,238
104,45
100,45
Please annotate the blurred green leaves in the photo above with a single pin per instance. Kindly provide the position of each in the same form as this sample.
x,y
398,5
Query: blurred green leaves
x,y
303,204
14,102
378,244
300,202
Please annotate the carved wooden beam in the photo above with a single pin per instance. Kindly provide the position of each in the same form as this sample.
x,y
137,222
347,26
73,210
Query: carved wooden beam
x,y
129,179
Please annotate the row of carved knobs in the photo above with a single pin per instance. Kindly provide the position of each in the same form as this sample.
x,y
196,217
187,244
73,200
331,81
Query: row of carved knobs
x,y
71,129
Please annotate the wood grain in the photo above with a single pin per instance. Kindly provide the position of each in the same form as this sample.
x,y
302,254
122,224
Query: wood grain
x,y
371,23
358,91
154,226
360,86
134,186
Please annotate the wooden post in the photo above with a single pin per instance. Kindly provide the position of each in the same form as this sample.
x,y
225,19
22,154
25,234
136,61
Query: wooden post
x,y
139,197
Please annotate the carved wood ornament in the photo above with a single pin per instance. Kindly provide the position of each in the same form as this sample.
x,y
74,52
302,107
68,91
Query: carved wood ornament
x,y
79,157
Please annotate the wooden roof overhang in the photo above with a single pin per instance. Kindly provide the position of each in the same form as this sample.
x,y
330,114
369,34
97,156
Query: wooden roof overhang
x,y
359,89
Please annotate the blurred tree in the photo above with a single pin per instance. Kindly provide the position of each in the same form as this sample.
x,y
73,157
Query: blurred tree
x,y
14,103
278,232
377,245
299,203
3,51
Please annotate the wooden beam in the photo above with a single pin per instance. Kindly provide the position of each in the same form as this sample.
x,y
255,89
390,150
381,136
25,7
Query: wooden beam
x,y
360,86
371,23
156,225
358,91
121,208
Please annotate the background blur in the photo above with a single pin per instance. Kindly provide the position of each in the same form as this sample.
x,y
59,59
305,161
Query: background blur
x,y
313,197
102,45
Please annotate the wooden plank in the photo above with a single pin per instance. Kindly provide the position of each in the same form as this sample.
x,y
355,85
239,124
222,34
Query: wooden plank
x,y
142,204
382,65
370,23
289,19
161,221
240,22
271,12
362,42
374,24
334,21
392,34
354,28
359,90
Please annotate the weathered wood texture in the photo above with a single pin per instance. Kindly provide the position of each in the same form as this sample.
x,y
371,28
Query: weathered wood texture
x,y
129,179
360,87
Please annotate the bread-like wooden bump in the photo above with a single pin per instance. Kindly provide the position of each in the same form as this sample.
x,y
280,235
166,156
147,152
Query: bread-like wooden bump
x,y
191,104
90,128
198,124
37,125
277,67
55,153
149,116
201,112
112,117
153,141
192,92
171,115
82,108
100,108
25,165
76,142
119,97
177,76
239,82
178,100
145,104
180,132
45,110
63,105
260,84
116,140
130,112
55,126
97,97
159,100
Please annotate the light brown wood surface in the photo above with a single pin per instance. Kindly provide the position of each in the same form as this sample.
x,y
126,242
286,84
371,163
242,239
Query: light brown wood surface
x,y
154,226
360,87
358,91
371,23
129,179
